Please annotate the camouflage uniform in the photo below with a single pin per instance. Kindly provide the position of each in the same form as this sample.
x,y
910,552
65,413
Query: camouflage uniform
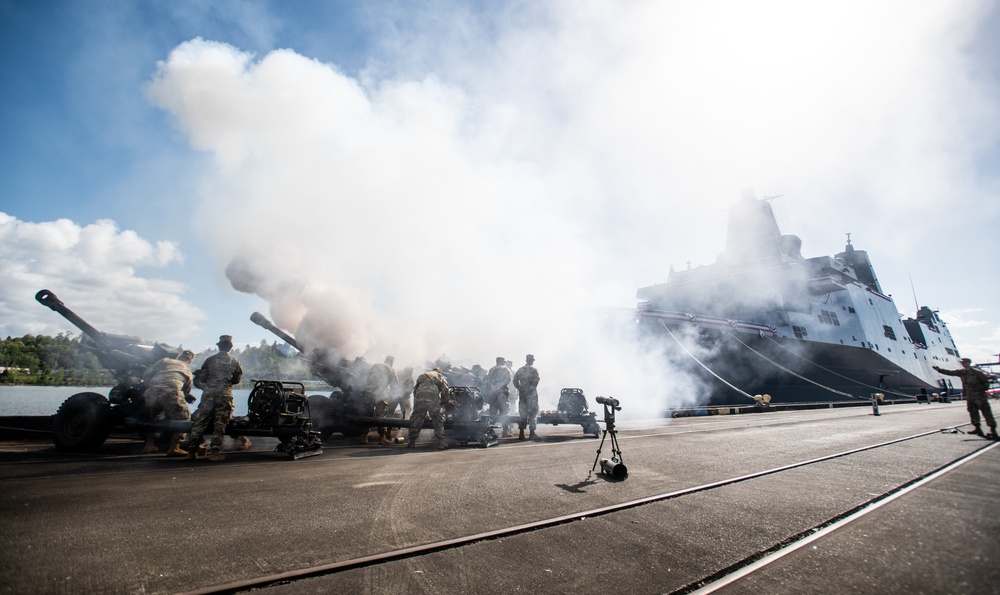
x,y
429,395
168,383
526,382
401,394
498,382
221,371
381,380
974,386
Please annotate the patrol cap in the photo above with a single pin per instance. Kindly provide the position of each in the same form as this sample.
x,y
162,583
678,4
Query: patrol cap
x,y
965,359
500,360
225,339
529,357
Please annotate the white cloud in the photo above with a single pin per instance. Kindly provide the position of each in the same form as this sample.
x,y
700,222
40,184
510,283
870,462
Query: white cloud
x,y
481,197
93,269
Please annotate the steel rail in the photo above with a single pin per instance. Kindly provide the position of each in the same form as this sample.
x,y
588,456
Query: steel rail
x,y
753,563
428,548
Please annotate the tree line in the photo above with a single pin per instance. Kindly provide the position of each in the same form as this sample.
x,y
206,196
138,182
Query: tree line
x,y
64,360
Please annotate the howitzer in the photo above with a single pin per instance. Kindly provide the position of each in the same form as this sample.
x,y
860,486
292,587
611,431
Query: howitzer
x,y
84,421
344,410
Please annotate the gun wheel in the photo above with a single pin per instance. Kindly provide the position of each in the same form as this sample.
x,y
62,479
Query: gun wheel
x,y
82,423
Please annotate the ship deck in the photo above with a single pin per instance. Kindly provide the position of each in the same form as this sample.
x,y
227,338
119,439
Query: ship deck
x,y
827,500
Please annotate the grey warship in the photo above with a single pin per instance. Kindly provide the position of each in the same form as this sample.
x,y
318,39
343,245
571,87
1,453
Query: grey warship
x,y
764,324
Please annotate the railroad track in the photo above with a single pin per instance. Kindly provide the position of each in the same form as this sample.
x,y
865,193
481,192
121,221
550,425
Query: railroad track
x,y
707,584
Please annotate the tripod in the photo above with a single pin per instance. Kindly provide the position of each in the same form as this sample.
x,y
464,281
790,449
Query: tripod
x,y
613,466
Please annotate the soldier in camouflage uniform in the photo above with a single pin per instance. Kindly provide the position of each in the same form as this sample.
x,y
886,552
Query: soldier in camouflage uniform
x,y
168,391
974,386
217,376
429,396
401,394
498,392
381,382
526,382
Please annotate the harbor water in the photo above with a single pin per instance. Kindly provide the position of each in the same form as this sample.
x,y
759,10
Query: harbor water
x,y
45,400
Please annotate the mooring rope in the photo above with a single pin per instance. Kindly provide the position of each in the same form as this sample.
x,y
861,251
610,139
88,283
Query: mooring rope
x,y
878,388
707,369
793,373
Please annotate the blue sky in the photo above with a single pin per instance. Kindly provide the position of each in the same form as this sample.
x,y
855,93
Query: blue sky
x,y
465,178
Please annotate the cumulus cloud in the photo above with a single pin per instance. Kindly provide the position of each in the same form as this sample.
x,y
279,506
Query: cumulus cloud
x,y
489,193
97,270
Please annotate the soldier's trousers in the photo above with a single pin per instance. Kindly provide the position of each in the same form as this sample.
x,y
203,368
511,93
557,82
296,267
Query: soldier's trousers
x,y
423,407
171,405
215,411
499,405
976,405
528,405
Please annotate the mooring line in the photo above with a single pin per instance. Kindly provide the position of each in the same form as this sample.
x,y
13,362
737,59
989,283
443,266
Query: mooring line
x,y
707,369
419,550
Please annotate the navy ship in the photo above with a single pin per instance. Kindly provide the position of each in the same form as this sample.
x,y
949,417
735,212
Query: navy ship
x,y
763,324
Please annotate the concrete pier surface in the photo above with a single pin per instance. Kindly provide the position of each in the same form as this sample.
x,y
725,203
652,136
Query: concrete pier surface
x,y
807,501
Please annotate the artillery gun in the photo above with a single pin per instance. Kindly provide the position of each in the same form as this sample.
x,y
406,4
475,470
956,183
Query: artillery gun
x,y
343,410
85,420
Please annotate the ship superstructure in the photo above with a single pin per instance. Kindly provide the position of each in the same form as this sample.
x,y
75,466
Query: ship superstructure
x,y
765,320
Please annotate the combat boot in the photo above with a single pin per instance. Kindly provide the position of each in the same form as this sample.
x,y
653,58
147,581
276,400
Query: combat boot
x,y
520,434
992,434
534,436
441,444
216,456
175,450
192,455
150,446
506,432
412,443
244,443
976,432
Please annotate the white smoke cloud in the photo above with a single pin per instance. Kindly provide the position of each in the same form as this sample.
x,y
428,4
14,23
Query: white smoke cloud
x,y
481,199
93,270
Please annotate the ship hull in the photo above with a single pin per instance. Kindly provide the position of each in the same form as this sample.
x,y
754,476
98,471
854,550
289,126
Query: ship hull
x,y
732,368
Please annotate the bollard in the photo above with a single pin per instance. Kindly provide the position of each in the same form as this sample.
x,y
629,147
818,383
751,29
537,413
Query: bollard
x,y
875,398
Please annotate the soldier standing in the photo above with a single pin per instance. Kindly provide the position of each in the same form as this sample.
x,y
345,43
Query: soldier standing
x,y
511,401
498,395
429,396
526,382
168,391
402,392
974,386
381,380
217,376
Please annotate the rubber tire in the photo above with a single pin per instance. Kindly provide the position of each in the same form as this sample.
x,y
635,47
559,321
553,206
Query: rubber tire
x,y
82,423
320,413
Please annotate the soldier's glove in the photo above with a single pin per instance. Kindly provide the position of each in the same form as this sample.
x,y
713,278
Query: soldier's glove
x,y
190,398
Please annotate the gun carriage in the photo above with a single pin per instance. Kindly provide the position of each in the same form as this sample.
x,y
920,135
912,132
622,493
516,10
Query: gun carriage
x,y
85,420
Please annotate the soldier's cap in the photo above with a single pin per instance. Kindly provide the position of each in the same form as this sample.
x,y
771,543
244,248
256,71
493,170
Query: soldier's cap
x,y
529,357
500,360
965,359
225,339
187,353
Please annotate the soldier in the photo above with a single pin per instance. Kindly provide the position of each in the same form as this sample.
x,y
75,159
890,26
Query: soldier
x,y
526,382
402,392
511,401
974,386
217,376
429,396
498,392
168,391
381,381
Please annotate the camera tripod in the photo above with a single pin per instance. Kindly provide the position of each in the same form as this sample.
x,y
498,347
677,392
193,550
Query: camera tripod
x,y
614,466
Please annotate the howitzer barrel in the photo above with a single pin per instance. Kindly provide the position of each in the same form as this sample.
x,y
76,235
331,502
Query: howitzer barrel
x,y
260,320
49,300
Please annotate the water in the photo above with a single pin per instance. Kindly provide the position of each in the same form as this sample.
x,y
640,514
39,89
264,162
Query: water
x,y
45,400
